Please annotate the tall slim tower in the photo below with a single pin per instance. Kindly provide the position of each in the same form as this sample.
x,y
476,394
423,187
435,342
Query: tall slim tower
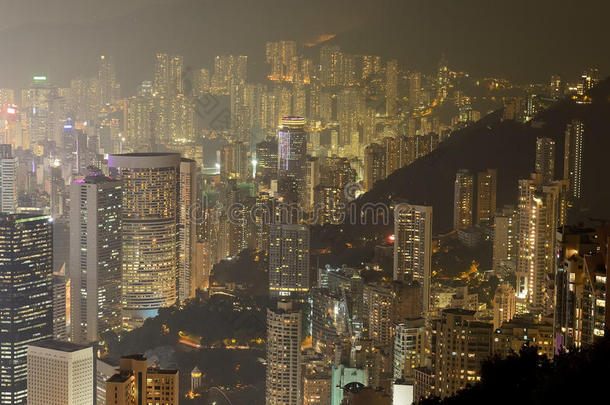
x,y
284,335
150,183
545,159
8,183
107,81
161,78
95,257
288,260
573,158
374,165
463,199
175,86
413,246
487,187
391,91
292,153
26,300
540,213
187,229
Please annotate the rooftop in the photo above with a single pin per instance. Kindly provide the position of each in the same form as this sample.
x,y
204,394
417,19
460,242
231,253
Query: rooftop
x,y
60,346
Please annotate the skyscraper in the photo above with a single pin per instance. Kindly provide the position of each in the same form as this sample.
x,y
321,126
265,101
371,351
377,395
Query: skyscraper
x,y
506,227
331,65
150,183
580,286
540,213
288,260
187,229
545,159
463,200
413,247
95,257
161,76
409,348
8,183
282,59
292,153
175,75
60,373
504,303
284,335
573,158
26,301
486,196
61,306
374,165
108,87
391,91
462,345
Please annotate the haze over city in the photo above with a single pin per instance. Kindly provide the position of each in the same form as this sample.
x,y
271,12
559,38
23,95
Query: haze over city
x,y
304,203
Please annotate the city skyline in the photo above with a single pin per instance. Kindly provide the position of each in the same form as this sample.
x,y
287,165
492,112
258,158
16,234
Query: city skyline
x,y
331,203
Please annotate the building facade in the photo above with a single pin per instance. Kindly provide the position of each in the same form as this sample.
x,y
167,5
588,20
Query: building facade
x,y
60,373
95,257
26,297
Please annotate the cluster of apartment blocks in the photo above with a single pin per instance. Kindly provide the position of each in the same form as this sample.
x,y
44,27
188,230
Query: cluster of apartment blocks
x,y
68,373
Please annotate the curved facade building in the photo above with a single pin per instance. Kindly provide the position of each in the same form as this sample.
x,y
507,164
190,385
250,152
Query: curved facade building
x,y
150,184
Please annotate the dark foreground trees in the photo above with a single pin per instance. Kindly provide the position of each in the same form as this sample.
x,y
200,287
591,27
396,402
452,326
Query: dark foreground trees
x,y
575,377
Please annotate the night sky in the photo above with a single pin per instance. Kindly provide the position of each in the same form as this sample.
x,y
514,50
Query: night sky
x,y
521,40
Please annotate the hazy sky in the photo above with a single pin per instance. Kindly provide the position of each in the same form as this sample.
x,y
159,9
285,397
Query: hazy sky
x,y
62,38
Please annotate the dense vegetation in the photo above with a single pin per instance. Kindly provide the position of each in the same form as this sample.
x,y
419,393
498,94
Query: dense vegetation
x,y
575,377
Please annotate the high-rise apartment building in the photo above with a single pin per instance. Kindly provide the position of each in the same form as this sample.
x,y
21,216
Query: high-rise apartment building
x,y
506,227
522,331
109,89
378,300
150,207
541,211
26,301
282,59
487,187
284,335
463,194
504,304
580,286
573,158
161,75
60,373
413,247
288,260
95,257
462,345
331,65
375,165
176,65
234,163
292,154
409,348
391,90
545,159
8,180
266,159
135,383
